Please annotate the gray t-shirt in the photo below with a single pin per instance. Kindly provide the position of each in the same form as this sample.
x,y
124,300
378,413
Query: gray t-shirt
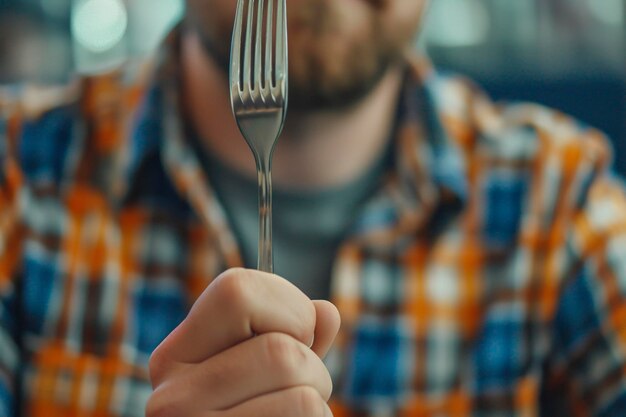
x,y
307,226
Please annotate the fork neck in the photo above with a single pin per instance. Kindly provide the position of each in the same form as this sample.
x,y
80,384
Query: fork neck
x,y
316,150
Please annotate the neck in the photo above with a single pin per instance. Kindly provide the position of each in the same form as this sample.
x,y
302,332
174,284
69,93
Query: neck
x,y
316,150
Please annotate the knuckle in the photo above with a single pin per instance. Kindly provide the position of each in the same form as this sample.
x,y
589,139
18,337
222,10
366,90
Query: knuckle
x,y
157,366
327,385
159,406
308,401
285,355
232,287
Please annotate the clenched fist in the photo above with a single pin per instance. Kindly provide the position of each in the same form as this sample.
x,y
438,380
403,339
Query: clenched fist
x,y
251,346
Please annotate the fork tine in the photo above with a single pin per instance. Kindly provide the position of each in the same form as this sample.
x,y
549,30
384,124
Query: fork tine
x,y
258,53
247,54
269,44
281,42
235,61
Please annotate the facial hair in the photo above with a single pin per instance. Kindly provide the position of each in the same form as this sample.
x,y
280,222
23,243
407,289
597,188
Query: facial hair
x,y
337,52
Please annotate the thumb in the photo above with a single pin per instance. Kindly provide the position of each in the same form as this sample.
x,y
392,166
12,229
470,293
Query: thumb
x,y
326,326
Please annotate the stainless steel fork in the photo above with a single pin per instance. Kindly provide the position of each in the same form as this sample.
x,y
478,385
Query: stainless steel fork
x,y
258,96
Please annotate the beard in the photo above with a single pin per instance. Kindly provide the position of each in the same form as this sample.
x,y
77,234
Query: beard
x,y
338,49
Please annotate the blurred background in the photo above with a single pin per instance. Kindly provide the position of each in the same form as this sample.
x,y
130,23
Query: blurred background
x,y
568,54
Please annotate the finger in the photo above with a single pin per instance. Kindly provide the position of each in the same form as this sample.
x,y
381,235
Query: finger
x,y
326,326
237,305
300,401
264,364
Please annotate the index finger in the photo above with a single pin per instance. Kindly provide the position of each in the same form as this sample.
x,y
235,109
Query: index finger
x,y
237,305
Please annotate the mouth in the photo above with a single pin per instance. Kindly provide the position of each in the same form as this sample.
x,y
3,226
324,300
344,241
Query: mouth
x,y
379,4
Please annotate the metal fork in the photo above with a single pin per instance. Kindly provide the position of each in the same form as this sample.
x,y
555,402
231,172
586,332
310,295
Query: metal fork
x,y
258,96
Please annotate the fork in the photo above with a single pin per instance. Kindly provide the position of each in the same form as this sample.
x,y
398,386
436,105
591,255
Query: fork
x,y
258,97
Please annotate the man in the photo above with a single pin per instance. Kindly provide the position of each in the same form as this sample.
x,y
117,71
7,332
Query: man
x,y
474,253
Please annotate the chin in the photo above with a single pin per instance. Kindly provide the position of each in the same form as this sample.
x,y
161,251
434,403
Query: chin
x,y
338,49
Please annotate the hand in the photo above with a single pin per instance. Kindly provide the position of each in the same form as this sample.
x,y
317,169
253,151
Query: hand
x,y
243,351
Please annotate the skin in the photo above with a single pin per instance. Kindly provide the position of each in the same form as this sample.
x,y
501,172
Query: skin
x,y
253,343
243,350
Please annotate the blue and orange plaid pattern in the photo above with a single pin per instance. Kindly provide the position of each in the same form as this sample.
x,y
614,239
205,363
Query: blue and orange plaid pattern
x,y
487,277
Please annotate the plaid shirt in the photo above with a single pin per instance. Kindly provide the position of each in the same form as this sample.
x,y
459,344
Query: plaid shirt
x,y
486,277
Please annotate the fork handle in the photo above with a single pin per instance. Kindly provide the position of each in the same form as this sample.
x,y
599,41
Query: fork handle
x,y
265,260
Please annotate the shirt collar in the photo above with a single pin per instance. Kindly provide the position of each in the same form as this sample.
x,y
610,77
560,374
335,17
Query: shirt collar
x,y
429,167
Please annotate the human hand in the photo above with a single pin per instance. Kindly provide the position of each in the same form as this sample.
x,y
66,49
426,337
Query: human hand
x,y
243,351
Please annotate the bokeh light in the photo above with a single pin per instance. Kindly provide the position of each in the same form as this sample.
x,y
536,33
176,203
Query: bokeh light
x,y
610,12
98,25
457,23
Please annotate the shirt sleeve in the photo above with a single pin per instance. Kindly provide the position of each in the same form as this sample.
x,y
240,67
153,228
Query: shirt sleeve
x,y
588,364
10,246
